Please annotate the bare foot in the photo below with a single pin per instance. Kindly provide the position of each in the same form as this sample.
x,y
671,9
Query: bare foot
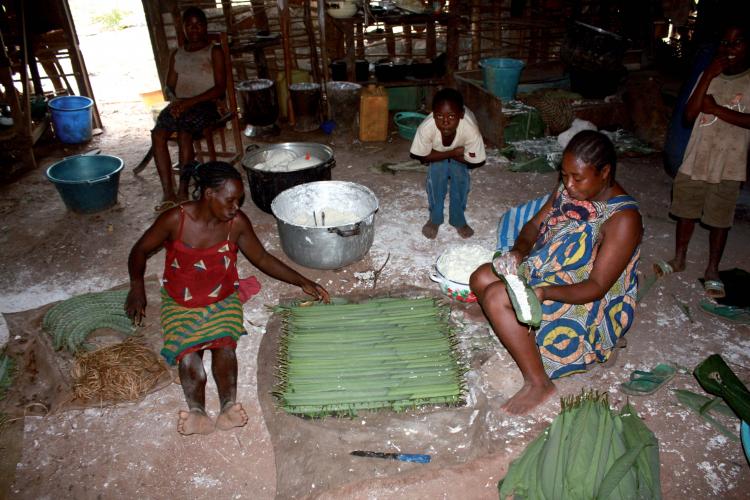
x,y
465,231
233,415
529,397
430,230
194,422
672,266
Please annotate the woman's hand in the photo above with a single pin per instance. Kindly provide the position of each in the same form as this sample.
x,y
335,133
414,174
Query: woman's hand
x,y
539,292
315,290
178,107
135,305
506,263
717,66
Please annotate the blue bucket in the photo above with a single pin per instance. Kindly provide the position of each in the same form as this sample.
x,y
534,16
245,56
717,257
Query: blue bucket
x,y
500,76
87,184
71,118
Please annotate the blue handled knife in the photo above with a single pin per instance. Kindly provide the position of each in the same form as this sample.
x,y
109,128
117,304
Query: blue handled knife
x,y
404,457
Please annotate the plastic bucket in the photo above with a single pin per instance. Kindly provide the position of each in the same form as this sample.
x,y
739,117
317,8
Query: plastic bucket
x,y
87,184
500,76
71,118
344,100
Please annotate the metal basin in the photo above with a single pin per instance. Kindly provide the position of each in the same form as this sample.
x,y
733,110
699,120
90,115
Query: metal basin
x,y
326,225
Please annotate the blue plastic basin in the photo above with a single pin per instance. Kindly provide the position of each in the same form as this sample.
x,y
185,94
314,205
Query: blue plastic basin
x,y
745,434
87,184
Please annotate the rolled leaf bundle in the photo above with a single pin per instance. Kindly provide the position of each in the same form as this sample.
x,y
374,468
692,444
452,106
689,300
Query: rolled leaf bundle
x,y
588,451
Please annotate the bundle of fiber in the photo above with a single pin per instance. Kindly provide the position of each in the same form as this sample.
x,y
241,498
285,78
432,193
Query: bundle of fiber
x,y
394,353
70,321
116,373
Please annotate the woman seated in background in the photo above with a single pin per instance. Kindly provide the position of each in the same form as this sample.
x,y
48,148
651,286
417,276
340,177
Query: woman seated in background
x,y
195,80
579,254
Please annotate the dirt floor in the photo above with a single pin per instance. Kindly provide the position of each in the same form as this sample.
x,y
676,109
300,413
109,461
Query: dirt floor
x,y
134,451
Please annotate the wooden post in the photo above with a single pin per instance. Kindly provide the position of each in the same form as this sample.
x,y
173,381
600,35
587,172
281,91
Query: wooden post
x,y
390,41
476,38
408,45
349,38
360,41
79,67
452,48
323,53
310,30
431,47
286,44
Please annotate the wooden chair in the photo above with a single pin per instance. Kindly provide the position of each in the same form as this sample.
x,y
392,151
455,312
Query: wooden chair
x,y
206,147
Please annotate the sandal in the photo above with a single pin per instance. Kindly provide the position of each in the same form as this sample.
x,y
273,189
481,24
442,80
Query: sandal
x,y
643,383
714,289
165,205
737,314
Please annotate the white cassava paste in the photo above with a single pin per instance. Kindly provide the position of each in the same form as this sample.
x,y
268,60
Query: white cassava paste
x,y
457,263
283,160
326,217
519,290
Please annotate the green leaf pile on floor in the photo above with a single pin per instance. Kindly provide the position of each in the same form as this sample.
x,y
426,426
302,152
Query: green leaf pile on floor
x,y
588,451
383,353
70,321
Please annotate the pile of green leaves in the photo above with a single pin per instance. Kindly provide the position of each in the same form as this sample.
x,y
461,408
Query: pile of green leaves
x,y
588,451
70,321
383,353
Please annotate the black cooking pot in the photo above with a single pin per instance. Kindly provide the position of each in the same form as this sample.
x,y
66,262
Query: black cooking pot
x,y
265,185
422,68
391,70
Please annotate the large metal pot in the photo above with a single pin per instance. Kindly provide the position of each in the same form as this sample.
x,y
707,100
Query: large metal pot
x,y
264,185
326,225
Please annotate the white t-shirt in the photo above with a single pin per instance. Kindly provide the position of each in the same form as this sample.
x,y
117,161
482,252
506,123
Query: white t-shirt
x,y
468,136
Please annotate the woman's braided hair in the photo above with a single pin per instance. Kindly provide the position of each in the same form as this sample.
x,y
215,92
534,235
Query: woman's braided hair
x,y
594,148
209,175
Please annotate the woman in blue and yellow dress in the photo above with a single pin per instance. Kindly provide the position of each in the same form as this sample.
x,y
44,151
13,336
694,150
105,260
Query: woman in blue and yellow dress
x,y
579,254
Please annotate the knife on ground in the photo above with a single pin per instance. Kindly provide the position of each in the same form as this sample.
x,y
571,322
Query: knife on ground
x,y
404,457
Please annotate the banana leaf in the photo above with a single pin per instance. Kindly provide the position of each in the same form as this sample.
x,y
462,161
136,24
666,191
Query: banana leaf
x,y
588,451
718,379
6,373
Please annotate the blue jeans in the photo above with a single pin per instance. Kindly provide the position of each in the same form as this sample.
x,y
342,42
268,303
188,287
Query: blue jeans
x,y
438,176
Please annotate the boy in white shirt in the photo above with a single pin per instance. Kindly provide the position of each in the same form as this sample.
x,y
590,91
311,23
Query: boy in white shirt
x,y
450,141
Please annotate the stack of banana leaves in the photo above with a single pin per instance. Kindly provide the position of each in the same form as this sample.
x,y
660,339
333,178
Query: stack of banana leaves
x,y
588,451
393,353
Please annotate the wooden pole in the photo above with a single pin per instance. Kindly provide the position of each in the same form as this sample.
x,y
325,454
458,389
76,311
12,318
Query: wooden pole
x,y
286,44
476,39
310,30
323,56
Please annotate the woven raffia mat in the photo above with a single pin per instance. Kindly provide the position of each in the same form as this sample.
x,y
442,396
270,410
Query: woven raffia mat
x,y
117,373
